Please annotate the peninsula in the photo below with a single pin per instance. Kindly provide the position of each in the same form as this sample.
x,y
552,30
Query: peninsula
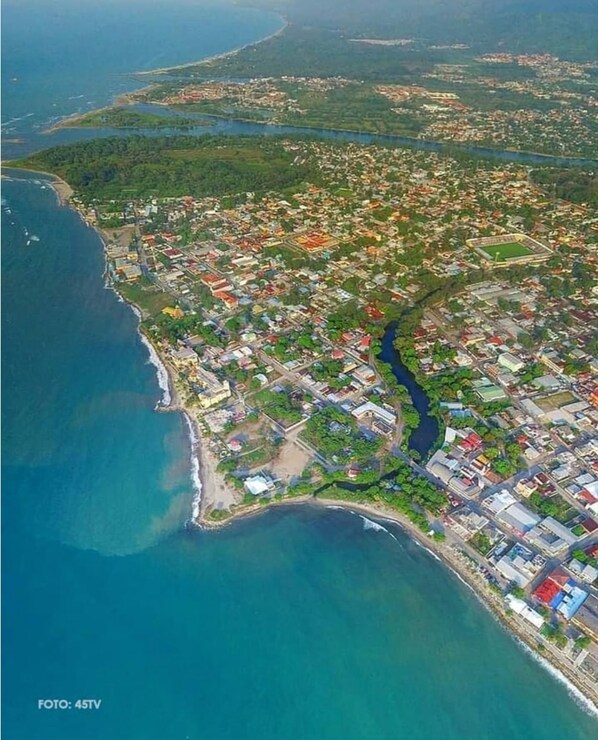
x,y
306,296
409,334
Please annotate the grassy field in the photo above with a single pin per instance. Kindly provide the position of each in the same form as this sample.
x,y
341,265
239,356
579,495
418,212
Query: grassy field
x,y
145,295
503,252
556,401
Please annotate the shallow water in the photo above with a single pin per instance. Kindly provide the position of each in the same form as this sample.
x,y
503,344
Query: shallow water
x,y
301,623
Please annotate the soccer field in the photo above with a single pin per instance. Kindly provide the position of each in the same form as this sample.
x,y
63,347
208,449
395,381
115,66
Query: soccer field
x,y
502,252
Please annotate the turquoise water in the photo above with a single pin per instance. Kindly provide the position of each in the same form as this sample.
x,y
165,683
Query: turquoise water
x,y
295,625
60,58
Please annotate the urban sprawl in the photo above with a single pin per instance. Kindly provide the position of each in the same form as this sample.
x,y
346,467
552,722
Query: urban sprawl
x,y
269,311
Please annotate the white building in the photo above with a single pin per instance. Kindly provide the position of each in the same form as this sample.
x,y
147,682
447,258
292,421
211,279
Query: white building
x,y
511,362
523,610
258,484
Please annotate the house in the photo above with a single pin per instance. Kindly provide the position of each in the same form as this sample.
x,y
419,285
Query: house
x,y
523,610
258,485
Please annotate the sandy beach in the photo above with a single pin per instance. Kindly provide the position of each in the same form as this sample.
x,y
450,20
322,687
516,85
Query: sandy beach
x,y
584,691
214,57
212,493
71,121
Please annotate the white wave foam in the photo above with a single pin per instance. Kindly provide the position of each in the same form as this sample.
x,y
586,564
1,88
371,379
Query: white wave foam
x,y
582,701
587,705
161,372
154,358
195,477
433,554
14,120
374,526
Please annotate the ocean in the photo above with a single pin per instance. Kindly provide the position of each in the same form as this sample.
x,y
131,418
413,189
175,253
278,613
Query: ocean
x,y
300,624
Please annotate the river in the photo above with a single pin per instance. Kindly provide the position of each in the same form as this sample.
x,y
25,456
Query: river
x,y
422,438
234,127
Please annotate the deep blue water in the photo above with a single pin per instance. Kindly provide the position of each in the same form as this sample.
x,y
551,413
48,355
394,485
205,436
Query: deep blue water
x,y
295,625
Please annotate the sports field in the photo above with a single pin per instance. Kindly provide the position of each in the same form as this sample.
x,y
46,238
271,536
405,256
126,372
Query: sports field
x,y
502,252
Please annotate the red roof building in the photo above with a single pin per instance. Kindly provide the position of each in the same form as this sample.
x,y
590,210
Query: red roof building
x,y
546,591
229,299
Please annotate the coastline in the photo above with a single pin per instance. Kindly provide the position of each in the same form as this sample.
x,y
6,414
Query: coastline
x,y
583,692
61,188
212,493
127,98
213,57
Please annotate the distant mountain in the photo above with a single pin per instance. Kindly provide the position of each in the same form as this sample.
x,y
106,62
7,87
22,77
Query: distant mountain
x,y
567,28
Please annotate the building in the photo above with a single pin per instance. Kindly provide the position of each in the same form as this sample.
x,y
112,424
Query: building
x,y
511,362
465,522
448,470
257,485
520,565
365,374
372,409
487,391
583,571
499,501
573,599
551,536
173,311
559,591
519,518
586,617
210,391
523,610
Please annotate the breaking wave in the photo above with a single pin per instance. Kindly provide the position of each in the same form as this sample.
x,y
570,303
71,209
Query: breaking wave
x,y
195,477
433,554
375,526
161,372
582,701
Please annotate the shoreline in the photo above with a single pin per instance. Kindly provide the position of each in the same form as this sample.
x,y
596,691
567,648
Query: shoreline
x,y
584,694
124,99
61,188
212,493
214,57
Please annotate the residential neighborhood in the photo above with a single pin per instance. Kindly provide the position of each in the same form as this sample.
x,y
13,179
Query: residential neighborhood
x,y
270,311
